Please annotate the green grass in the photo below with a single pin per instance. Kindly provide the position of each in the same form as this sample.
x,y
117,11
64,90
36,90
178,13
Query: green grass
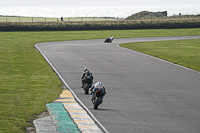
x,y
28,82
182,52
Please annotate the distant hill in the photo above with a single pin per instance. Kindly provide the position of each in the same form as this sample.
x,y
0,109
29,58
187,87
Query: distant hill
x,y
146,14
8,16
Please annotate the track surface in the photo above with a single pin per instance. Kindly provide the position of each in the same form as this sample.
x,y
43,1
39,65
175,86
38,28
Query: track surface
x,y
144,94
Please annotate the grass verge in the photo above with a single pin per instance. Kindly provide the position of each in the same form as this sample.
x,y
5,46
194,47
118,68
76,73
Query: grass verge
x,y
183,52
28,82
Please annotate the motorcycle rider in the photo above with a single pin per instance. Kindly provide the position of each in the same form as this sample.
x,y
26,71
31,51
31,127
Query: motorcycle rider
x,y
98,86
111,38
87,75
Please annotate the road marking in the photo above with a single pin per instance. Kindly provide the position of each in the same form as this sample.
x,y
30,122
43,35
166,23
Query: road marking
x,y
80,117
65,100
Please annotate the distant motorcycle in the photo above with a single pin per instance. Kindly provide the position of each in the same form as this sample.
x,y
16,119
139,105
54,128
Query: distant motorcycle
x,y
109,40
97,99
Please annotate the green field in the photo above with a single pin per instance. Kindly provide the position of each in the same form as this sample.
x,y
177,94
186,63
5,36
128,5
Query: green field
x,y
28,82
183,52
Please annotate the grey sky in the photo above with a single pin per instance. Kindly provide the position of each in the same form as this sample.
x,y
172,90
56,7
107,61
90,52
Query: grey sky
x,y
17,3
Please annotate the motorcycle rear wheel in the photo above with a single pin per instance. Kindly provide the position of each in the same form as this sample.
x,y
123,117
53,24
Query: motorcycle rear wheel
x,y
87,86
96,102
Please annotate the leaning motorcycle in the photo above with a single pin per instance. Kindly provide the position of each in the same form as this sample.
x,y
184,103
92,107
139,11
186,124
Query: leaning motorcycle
x,y
108,40
87,84
97,99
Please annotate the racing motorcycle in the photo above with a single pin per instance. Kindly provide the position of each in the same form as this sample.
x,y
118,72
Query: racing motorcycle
x,y
109,40
87,84
97,99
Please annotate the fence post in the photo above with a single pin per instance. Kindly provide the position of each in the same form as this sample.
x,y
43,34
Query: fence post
x,y
19,19
32,19
6,20
45,19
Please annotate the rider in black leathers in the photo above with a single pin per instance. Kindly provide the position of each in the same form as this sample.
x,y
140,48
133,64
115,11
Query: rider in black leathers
x,y
87,75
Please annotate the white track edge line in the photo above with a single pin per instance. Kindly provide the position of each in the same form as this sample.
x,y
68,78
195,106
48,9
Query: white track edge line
x,y
78,100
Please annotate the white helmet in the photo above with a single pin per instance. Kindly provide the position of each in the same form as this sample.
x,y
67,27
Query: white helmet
x,y
98,82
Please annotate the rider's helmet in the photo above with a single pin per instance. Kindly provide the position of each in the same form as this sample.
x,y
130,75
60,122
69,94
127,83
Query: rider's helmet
x,y
87,73
85,69
98,82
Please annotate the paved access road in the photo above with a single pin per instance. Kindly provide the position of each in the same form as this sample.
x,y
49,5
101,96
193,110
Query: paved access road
x,y
145,94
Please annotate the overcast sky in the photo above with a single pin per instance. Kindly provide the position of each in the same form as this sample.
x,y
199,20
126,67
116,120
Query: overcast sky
x,y
83,3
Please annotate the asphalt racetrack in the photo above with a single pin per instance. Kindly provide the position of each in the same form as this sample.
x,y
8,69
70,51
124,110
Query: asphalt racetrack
x,y
144,94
